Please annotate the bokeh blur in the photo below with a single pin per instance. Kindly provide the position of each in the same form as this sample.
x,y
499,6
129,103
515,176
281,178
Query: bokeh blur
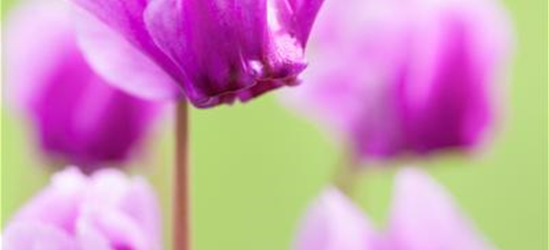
x,y
257,166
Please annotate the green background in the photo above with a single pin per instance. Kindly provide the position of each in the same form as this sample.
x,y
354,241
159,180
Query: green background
x,y
256,166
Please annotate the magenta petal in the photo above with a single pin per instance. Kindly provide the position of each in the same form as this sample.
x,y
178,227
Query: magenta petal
x,y
123,16
250,56
91,123
448,100
398,78
299,16
21,57
349,86
425,217
333,222
172,24
77,116
216,51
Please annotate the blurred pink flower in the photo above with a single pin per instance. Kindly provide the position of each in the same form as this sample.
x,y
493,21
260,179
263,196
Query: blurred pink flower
x,y
107,211
395,77
75,113
423,217
212,51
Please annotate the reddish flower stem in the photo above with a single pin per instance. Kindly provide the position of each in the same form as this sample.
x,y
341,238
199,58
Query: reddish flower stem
x,y
181,185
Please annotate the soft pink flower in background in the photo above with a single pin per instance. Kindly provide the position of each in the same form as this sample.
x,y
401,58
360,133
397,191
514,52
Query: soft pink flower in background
x,y
74,113
105,211
406,77
423,216
212,52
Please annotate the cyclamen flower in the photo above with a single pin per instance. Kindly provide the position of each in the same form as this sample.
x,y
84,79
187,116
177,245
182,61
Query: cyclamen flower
x,y
107,211
423,217
406,77
213,52
77,116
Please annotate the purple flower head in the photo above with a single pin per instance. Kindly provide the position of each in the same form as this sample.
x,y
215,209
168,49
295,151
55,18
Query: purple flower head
x,y
213,52
398,77
106,211
75,113
423,217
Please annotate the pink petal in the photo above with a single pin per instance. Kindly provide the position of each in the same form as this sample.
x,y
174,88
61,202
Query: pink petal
x,y
126,19
28,64
89,238
106,211
333,222
299,16
115,227
121,63
347,86
258,46
140,203
125,211
425,217
458,50
36,236
76,116
58,204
